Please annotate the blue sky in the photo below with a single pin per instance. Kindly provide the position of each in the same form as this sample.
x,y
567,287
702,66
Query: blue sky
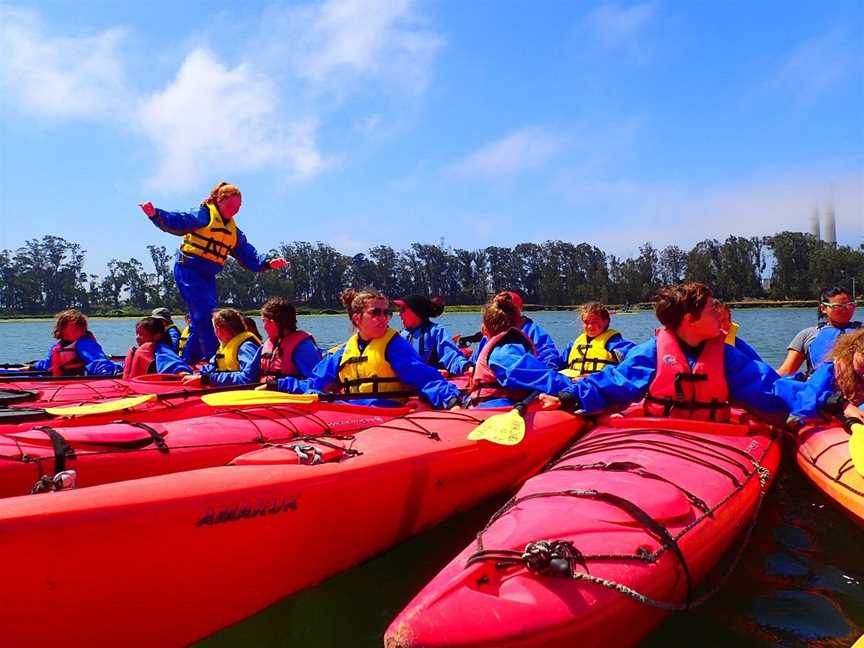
x,y
392,121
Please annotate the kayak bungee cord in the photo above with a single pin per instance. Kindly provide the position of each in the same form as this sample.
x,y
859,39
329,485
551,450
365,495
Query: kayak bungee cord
x,y
559,557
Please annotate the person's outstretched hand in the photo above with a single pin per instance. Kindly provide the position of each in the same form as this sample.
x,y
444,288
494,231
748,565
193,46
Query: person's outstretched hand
x,y
148,209
277,264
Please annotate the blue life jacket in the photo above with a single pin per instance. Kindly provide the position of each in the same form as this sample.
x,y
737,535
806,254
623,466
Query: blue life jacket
x,y
824,342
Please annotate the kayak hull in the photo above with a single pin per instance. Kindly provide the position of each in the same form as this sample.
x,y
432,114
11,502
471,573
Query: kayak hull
x,y
823,455
192,552
602,497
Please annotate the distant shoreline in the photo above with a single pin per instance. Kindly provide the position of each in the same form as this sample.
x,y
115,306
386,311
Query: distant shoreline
x,y
456,308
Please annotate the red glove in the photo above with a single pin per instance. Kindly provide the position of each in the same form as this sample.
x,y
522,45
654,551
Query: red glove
x,y
277,263
148,208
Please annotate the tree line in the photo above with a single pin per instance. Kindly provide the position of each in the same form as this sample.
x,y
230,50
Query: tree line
x,y
47,275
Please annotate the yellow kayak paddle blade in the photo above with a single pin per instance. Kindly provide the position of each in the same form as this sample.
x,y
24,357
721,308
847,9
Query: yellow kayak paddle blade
x,y
504,429
104,407
856,447
242,397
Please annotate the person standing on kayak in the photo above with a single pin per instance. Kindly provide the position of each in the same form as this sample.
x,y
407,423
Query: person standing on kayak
x,y
76,353
238,359
431,340
597,347
508,368
686,371
375,360
286,351
209,236
545,347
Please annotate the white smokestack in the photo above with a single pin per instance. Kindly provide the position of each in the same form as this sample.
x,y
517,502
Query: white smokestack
x,y
830,235
814,223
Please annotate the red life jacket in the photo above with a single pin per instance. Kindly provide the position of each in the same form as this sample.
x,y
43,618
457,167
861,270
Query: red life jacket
x,y
681,392
279,361
65,360
484,383
140,360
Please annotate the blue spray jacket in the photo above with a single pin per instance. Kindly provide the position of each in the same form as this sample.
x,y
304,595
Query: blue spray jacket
x,y
750,383
168,362
181,223
806,399
547,352
436,347
407,364
96,363
515,368
249,357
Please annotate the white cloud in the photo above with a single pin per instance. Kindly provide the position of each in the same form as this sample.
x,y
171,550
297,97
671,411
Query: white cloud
x,y
818,63
61,77
214,120
328,43
517,152
614,26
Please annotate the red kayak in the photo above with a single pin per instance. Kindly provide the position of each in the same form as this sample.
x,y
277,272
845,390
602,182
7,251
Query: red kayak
x,y
597,549
168,560
52,392
144,444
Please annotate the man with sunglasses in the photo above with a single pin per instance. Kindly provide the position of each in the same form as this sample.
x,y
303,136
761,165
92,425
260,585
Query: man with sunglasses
x,y
813,344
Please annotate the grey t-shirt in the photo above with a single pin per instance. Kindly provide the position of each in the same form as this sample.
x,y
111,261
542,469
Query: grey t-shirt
x,y
802,341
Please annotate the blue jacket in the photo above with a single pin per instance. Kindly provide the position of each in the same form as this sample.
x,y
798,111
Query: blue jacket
x,y
617,345
181,223
822,345
546,350
750,383
405,362
515,368
249,356
747,350
436,347
306,357
96,363
806,399
168,362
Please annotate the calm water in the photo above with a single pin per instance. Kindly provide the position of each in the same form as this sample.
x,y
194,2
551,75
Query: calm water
x,y
800,581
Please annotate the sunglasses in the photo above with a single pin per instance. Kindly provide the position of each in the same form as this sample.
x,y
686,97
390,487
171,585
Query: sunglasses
x,y
378,312
844,305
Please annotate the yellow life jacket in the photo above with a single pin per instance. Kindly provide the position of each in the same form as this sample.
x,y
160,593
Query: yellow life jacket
x,y
732,334
367,371
184,336
226,355
214,241
588,357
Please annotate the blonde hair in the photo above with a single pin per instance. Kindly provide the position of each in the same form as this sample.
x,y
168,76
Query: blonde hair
x,y
229,319
221,191
70,316
501,313
850,384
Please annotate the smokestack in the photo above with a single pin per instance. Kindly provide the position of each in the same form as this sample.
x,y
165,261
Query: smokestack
x,y
830,226
814,223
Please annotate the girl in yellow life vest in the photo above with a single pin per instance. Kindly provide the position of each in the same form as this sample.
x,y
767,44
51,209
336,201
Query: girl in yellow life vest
x,y
238,359
597,347
375,360
210,235
184,334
